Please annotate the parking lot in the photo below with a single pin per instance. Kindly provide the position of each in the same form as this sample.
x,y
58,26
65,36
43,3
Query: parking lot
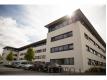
x,y
14,71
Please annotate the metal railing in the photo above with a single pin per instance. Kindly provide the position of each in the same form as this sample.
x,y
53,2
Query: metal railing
x,y
70,70
66,70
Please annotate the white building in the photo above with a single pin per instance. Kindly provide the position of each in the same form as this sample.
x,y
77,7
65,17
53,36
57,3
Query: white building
x,y
71,42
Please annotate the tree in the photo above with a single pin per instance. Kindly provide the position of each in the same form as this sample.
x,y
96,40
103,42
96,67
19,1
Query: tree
x,y
1,57
29,56
9,56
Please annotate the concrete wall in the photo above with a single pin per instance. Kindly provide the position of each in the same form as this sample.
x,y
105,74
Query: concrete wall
x,y
87,54
36,54
75,39
40,54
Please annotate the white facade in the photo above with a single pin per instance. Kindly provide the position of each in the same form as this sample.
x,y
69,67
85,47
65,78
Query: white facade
x,y
68,45
6,52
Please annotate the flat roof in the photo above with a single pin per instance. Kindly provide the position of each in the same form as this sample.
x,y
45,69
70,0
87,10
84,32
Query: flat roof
x,y
79,16
57,21
90,27
35,44
9,47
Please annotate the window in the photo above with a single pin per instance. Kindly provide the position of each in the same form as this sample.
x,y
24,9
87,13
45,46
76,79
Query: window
x,y
65,47
43,56
95,62
68,34
44,50
40,50
70,46
89,61
63,61
59,25
40,57
56,49
71,61
62,48
15,54
86,36
61,36
21,54
91,50
52,50
88,49
93,42
95,52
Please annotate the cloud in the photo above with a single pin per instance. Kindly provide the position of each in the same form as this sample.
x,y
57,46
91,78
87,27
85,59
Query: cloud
x,y
27,25
11,34
38,16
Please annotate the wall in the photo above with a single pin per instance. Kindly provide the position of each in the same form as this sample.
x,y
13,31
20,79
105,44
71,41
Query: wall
x,y
76,52
87,54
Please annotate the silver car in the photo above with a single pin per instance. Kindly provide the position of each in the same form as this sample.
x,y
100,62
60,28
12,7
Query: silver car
x,y
27,66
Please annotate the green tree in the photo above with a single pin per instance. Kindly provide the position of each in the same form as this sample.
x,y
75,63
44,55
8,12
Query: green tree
x,y
29,56
9,56
1,57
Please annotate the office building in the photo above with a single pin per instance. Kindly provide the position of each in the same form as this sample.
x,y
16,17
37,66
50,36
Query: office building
x,y
71,42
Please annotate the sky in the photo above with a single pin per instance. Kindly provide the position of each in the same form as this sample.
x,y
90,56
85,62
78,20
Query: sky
x,y
23,24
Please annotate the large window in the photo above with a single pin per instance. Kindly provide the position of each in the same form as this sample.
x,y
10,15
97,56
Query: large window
x,y
93,42
40,57
89,49
63,61
59,25
61,36
15,54
21,54
95,62
62,48
41,50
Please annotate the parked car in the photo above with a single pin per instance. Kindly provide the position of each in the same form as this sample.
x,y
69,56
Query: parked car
x,y
37,66
14,64
10,66
27,66
52,67
46,67
18,64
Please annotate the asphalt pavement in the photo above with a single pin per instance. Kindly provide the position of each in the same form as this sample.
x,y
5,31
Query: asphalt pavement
x,y
14,71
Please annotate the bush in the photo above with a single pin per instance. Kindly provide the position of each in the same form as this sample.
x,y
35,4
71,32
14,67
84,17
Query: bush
x,y
1,62
95,69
